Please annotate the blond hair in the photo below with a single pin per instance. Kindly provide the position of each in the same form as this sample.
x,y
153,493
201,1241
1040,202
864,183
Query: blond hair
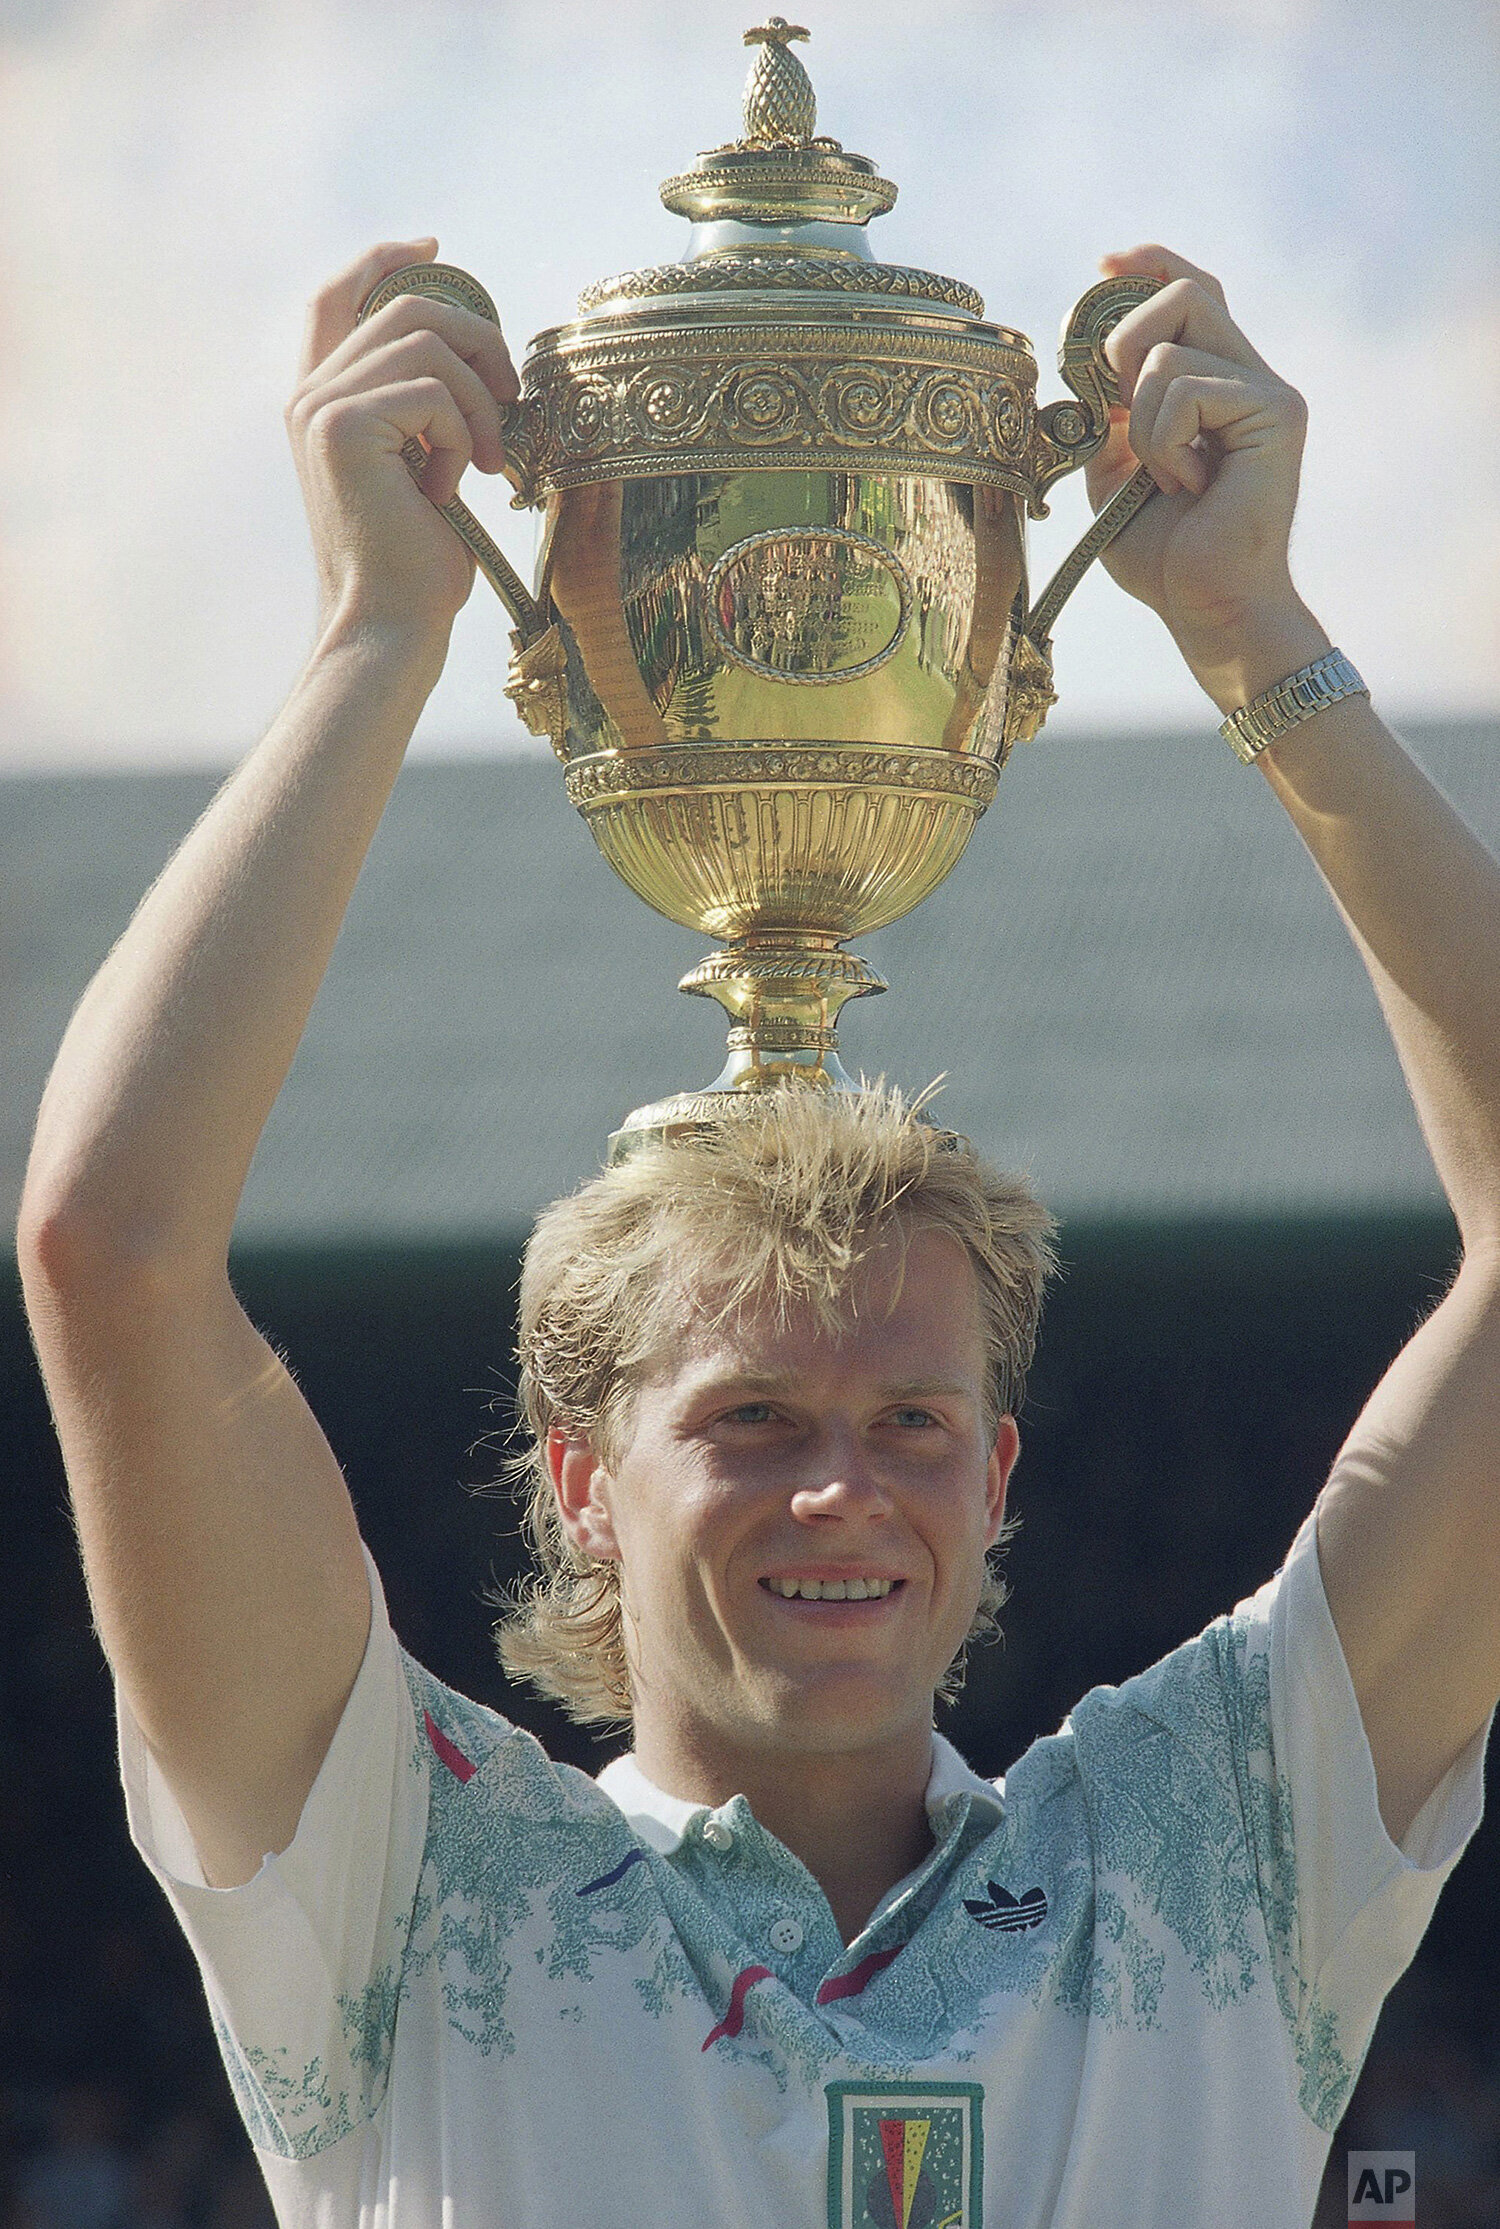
x,y
784,1201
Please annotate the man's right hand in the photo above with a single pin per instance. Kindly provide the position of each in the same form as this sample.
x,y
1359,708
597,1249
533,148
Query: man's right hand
x,y
418,368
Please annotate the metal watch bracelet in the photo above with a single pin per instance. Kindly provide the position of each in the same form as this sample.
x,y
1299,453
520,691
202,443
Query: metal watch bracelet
x,y
1328,680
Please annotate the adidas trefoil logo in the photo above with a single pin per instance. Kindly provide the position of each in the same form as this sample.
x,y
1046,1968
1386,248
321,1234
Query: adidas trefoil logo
x,y
1010,1915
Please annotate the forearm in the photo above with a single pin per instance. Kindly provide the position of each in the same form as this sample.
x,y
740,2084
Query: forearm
x,y
1421,897
1408,1523
177,1051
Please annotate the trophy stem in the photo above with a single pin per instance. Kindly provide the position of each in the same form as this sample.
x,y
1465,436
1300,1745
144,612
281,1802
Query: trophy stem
x,y
783,992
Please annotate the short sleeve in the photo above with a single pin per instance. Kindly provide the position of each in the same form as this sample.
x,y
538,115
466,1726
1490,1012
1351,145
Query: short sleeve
x,y
1234,1799
302,1964
1360,1902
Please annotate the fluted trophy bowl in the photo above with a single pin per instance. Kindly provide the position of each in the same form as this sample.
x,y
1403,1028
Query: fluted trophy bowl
x,y
781,636
792,751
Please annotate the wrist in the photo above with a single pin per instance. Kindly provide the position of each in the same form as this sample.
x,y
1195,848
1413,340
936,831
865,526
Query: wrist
x,y
408,653
1240,661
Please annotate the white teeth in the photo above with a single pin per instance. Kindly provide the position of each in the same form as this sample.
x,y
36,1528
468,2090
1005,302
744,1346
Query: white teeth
x,y
831,1590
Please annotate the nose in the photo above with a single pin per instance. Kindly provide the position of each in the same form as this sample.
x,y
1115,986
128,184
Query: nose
x,y
841,1481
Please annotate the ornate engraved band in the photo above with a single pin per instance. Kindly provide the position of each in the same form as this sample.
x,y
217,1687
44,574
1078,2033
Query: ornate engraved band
x,y
603,406
822,274
780,185
704,766
781,1037
770,963
1328,680
437,282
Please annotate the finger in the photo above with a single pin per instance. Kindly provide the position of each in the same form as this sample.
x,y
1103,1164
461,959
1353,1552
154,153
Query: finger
x,y
1112,465
1155,262
1167,364
1233,413
1181,313
333,309
420,409
472,337
424,355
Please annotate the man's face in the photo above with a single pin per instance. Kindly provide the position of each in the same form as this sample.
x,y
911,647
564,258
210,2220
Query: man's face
x,y
770,1470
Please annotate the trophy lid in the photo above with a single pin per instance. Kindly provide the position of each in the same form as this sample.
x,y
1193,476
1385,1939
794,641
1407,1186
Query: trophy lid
x,y
783,208
780,172
778,341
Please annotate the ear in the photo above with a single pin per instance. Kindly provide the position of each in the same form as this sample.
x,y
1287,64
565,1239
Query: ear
x,y
1002,1462
581,1484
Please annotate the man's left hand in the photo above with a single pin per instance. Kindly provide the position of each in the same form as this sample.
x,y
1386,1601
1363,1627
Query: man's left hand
x,y
1222,437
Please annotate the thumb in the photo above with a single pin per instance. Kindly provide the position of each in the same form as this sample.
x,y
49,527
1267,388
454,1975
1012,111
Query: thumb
x,y
1111,465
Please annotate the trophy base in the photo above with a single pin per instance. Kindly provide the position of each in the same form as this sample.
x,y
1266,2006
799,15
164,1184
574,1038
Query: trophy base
x,y
783,992
688,1111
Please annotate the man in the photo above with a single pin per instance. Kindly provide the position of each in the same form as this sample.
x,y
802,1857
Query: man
x,y
790,1962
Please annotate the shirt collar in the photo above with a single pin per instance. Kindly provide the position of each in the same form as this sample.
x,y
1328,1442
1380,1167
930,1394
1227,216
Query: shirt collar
x,y
661,1820
952,1778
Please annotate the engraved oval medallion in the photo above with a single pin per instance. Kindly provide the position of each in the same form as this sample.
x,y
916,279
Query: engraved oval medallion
x,y
809,604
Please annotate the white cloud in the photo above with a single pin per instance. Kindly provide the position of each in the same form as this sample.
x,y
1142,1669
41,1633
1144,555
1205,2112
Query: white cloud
x,y
178,177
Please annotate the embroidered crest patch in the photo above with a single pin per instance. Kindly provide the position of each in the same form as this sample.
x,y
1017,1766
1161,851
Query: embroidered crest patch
x,y
905,2155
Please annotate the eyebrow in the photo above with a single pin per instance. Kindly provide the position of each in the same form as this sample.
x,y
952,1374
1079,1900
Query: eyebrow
x,y
757,1381
719,1382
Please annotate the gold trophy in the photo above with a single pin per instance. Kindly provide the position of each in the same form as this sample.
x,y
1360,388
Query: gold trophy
x,y
781,638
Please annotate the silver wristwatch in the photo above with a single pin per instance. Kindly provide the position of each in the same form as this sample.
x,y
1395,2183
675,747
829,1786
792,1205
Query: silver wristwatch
x,y
1328,680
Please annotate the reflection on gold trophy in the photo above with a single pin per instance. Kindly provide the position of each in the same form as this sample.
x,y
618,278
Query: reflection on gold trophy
x,y
781,637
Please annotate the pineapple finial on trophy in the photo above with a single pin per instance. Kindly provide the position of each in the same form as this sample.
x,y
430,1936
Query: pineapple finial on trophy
x,y
780,106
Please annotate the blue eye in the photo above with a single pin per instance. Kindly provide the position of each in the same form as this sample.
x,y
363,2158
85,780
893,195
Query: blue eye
x,y
915,1416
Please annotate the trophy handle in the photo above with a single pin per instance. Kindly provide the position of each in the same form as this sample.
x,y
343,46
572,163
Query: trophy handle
x,y
445,282
1068,434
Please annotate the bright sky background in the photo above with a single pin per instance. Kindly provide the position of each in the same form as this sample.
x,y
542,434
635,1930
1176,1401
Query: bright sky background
x,y
177,176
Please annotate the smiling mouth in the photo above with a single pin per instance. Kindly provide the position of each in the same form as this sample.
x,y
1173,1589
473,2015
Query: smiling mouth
x,y
832,1590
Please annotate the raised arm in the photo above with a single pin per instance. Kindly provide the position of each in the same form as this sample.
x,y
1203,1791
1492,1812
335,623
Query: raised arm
x,y
1409,1521
218,1538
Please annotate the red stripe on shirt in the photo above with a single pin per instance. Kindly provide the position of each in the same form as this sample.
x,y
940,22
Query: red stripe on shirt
x,y
451,1755
734,2018
858,1977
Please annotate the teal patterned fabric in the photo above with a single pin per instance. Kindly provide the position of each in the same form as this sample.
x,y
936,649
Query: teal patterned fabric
x,y
288,2109
1125,1917
1158,1825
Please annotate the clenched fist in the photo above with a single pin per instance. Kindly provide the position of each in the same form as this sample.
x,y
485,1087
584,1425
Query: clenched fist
x,y
418,368
1222,437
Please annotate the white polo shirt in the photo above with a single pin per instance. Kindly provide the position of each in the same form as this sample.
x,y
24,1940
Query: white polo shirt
x,y
1133,1981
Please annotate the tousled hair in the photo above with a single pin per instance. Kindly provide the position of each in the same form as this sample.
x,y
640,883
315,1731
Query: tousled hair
x,y
781,1203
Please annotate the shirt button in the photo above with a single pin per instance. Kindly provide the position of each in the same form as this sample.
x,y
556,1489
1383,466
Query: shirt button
x,y
786,1935
717,1835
